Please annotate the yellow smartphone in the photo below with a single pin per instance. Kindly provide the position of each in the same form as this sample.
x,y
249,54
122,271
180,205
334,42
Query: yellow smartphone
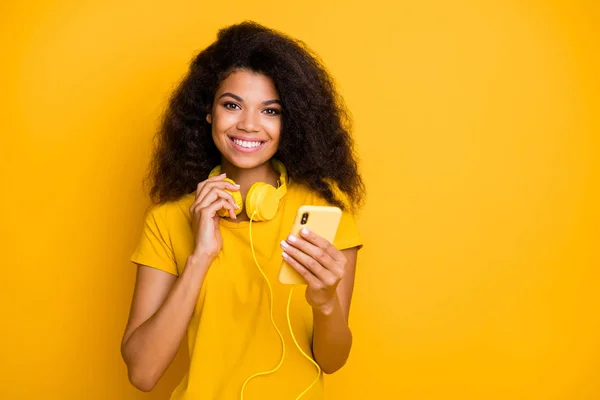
x,y
322,220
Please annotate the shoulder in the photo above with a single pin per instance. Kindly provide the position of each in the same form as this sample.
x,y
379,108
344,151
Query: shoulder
x,y
171,211
299,189
301,192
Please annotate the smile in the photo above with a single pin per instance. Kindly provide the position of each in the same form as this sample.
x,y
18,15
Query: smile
x,y
247,146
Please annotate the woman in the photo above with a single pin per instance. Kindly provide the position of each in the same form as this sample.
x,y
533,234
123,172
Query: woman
x,y
255,106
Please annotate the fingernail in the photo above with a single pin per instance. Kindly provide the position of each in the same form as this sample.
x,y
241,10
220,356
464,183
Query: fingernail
x,y
223,174
236,185
236,206
292,238
284,244
304,231
284,254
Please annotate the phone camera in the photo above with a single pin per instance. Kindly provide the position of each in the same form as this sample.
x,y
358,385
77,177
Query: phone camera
x,y
304,218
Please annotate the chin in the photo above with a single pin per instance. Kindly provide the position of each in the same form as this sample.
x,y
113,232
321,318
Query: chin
x,y
247,161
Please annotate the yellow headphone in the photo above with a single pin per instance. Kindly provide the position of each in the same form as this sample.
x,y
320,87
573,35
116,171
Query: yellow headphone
x,y
262,202
262,199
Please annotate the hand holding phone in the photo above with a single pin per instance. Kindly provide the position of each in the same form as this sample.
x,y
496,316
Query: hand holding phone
x,y
321,220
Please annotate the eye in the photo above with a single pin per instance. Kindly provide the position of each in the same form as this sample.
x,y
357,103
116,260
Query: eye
x,y
272,111
231,106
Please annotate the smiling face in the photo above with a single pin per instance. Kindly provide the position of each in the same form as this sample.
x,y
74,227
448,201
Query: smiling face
x,y
246,119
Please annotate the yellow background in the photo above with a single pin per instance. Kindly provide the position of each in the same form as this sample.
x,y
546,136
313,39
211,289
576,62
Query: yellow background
x,y
477,123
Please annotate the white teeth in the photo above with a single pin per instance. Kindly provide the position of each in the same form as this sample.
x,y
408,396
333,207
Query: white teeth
x,y
246,144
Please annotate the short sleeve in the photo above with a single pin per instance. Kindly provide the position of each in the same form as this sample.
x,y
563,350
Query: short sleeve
x,y
348,235
155,248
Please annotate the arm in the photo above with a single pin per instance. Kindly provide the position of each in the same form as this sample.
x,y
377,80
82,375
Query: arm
x,y
163,304
161,309
329,274
332,339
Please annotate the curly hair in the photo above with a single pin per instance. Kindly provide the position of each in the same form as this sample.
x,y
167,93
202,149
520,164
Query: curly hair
x,y
315,145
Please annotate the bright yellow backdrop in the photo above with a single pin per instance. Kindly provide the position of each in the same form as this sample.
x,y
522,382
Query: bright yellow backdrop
x,y
477,127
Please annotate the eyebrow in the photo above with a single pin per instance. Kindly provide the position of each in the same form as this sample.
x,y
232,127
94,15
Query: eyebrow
x,y
238,98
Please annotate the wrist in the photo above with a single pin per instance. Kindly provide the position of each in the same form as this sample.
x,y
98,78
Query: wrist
x,y
328,308
199,260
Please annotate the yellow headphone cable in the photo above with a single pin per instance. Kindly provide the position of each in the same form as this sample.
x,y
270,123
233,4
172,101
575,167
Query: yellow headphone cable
x,y
277,329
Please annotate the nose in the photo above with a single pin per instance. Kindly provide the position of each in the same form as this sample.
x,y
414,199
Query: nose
x,y
248,121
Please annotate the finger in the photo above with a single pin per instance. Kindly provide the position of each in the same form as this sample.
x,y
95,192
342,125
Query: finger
x,y
220,193
227,206
322,243
322,273
213,195
313,251
216,196
211,179
221,185
308,276
211,210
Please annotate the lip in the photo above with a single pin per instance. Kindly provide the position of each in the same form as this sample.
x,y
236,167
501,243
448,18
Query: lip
x,y
244,149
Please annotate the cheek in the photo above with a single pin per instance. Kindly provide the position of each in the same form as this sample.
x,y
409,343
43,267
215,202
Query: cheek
x,y
223,122
274,128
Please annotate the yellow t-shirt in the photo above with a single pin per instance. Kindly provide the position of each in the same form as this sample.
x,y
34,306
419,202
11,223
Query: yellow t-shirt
x,y
230,333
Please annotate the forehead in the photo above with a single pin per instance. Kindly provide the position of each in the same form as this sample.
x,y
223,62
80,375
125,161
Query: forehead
x,y
249,85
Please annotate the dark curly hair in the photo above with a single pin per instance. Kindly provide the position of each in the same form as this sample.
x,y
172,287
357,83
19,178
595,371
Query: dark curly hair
x,y
315,144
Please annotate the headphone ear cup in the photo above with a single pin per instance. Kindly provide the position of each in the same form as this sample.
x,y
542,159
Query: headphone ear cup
x,y
262,202
237,199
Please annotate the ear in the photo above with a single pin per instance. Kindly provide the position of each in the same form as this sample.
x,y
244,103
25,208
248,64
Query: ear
x,y
209,118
